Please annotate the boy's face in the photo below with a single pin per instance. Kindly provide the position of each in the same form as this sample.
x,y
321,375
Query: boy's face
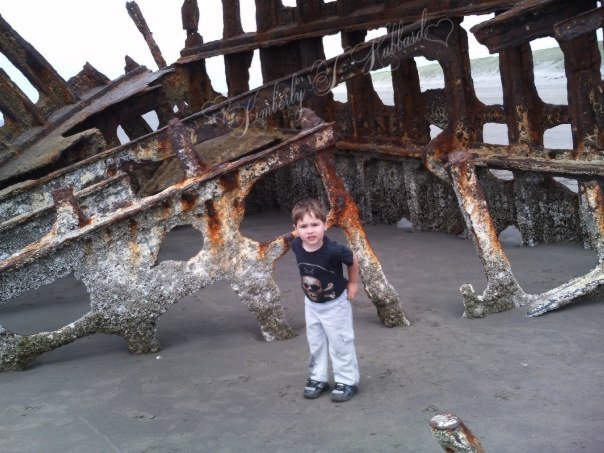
x,y
311,231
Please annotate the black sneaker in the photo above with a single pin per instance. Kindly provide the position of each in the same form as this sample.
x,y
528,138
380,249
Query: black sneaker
x,y
343,392
314,388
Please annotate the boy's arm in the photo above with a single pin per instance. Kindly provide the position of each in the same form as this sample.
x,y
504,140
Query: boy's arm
x,y
353,278
290,236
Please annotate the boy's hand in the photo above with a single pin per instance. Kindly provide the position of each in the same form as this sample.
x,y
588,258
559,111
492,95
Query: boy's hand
x,y
290,236
352,290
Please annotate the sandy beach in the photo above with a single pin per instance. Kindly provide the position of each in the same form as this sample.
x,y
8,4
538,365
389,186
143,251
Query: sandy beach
x,y
521,384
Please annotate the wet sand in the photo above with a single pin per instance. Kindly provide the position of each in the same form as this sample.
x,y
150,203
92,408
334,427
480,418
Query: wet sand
x,y
521,384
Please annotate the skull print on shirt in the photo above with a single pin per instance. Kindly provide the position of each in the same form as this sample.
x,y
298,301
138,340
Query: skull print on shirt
x,y
314,288
321,271
316,282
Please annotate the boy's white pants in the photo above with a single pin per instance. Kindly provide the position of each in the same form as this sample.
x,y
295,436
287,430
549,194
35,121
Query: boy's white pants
x,y
330,333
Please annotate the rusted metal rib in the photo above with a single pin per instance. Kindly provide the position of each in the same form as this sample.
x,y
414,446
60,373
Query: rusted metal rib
x,y
212,201
182,146
139,20
592,202
345,214
16,106
503,291
34,67
526,21
99,199
587,22
358,19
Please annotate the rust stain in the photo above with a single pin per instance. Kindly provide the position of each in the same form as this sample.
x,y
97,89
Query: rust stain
x,y
107,236
214,223
166,210
475,200
112,170
134,252
188,201
133,228
262,249
89,249
230,181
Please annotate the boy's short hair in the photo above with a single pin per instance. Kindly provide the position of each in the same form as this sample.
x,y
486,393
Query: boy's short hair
x,y
308,206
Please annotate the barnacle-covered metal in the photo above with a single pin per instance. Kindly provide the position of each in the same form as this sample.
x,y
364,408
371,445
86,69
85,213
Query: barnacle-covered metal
x,y
76,198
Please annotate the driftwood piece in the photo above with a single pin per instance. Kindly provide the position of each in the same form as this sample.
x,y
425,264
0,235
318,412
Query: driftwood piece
x,y
453,435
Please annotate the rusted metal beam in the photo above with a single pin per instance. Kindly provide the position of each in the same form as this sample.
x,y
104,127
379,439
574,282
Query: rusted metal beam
x,y
409,103
271,34
309,10
526,21
503,291
363,99
561,167
44,78
190,22
267,14
503,157
592,202
137,17
345,214
585,98
45,146
236,66
182,146
16,107
524,109
574,27
114,254
381,145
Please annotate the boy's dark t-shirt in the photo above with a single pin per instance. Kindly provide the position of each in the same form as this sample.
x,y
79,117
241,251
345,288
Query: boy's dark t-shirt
x,y
321,271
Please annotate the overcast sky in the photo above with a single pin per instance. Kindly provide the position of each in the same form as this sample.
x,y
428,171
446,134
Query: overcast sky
x,y
69,33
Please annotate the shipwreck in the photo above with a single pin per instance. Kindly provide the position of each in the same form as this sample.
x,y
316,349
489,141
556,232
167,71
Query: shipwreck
x,y
75,200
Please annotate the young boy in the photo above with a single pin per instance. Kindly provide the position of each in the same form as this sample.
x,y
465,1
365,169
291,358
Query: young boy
x,y
328,312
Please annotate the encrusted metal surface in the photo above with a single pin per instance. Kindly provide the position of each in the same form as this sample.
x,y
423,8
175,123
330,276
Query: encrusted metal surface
x,y
453,435
503,291
114,255
74,199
